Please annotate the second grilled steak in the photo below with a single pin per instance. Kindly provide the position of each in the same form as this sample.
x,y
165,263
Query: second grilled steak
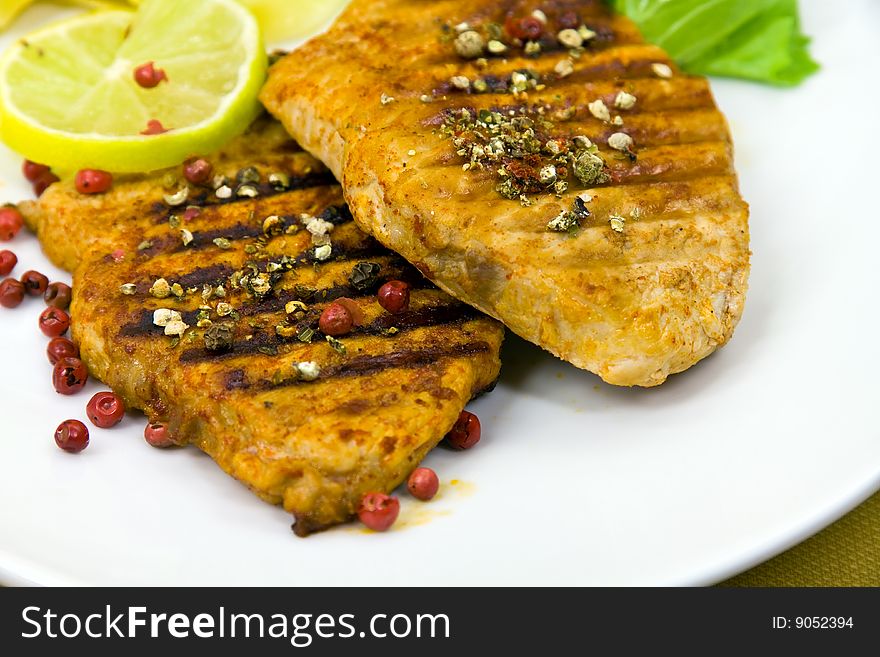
x,y
204,312
538,161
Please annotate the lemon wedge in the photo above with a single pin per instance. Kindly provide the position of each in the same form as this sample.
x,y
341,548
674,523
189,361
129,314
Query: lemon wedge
x,y
69,98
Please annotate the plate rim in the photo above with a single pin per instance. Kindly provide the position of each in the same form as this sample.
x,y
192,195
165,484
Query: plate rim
x,y
21,570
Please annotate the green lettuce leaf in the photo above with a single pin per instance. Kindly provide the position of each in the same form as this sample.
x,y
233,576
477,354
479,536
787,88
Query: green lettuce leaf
x,y
753,39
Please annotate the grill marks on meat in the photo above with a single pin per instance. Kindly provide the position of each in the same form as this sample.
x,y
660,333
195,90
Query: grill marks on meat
x,y
633,305
206,198
395,269
294,442
368,365
440,315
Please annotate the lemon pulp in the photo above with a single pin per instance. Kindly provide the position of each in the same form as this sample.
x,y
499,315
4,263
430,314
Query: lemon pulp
x,y
68,97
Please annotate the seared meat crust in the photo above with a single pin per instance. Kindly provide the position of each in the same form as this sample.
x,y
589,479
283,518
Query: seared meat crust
x,y
384,395
653,276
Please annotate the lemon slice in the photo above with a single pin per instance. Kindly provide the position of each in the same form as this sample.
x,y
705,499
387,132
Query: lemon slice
x,y
69,99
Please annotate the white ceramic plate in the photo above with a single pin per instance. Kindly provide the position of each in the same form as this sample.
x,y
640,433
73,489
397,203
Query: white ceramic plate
x,y
575,482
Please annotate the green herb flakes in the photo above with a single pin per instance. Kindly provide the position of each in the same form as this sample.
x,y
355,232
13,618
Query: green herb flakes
x,y
336,344
364,275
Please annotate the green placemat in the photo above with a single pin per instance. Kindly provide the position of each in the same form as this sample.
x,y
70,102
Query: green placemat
x,y
846,553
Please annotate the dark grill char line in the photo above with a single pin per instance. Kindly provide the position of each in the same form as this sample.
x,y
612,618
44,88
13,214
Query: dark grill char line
x,y
337,215
276,302
640,173
363,366
572,126
265,342
207,199
341,250
615,71
201,275
396,270
695,102
645,139
216,274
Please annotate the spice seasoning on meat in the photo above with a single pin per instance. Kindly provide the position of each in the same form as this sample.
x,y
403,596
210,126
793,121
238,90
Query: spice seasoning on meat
x,y
160,288
589,167
178,198
219,338
336,344
248,175
661,70
162,316
460,82
323,252
308,370
599,110
586,33
569,220
469,44
295,307
247,191
364,275
620,141
564,68
519,148
176,327
496,47
272,225
624,100
570,38
563,222
279,181
318,228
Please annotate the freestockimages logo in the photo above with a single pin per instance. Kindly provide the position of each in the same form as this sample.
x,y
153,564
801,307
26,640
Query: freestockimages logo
x,y
300,629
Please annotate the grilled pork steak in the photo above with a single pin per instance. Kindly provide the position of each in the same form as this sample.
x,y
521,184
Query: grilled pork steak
x,y
204,313
538,161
